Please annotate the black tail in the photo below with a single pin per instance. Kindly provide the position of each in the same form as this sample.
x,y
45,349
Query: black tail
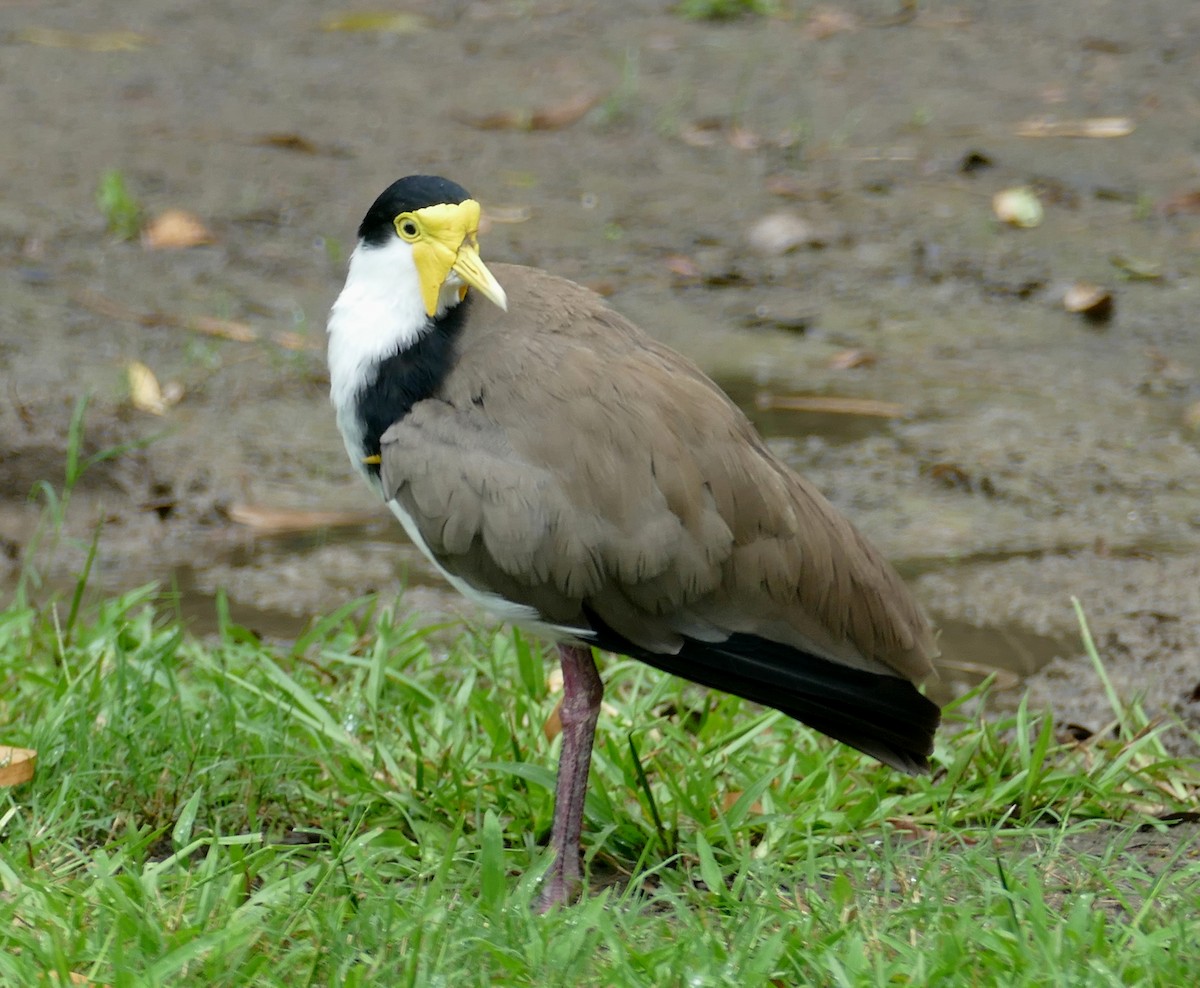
x,y
884,716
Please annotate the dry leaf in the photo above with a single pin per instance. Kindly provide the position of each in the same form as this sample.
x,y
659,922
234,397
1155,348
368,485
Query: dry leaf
x,y
1184,203
376,21
564,113
553,726
702,133
852,358
175,228
1136,268
553,117
1163,366
1005,679
743,139
788,186
1092,302
732,797
683,267
777,233
97,41
1018,207
824,22
269,519
828,404
1191,418
144,390
16,765
227,329
1097,127
288,142
506,215
298,143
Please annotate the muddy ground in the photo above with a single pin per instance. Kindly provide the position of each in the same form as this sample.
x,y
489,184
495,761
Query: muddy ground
x,y
1037,456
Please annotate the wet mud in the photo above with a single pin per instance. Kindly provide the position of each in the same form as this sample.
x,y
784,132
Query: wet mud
x,y
1025,455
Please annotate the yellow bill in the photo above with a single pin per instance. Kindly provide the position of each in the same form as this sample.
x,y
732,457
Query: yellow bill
x,y
445,239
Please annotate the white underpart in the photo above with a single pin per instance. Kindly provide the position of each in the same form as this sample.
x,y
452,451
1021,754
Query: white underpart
x,y
378,314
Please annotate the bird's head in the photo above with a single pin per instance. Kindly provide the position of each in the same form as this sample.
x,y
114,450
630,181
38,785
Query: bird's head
x,y
438,223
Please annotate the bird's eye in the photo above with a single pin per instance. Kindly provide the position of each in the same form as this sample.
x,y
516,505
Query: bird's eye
x,y
407,227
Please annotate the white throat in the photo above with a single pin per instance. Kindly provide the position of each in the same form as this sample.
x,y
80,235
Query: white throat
x,y
378,313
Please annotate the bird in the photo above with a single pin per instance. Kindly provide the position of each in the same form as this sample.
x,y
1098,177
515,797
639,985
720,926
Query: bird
x,y
572,475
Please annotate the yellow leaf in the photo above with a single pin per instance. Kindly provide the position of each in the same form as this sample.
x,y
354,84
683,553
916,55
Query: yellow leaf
x,y
144,390
1093,127
379,21
1018,207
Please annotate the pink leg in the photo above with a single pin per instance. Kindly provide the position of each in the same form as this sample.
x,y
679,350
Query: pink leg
x,y
582,691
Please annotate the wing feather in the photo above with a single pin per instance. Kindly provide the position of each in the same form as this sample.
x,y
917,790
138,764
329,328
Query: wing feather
x,y
572,464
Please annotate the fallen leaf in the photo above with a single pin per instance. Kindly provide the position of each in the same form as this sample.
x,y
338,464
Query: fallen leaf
x,y
1092,302
1093,127
778,233
1164,367
825,21
1136,268
1105,46
376,21
682,267
1004,679
507,214
829,404
743,139
1184,203
950,475
16,765
601,286
852,358
564,113
228,329
704,133
552,728
1191,418
553,117
730,798
269,519
788,186
95,41
1019,207
288,142
144,390
299,144
175,228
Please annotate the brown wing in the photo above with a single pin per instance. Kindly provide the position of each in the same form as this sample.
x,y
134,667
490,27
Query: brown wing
x,y
572,461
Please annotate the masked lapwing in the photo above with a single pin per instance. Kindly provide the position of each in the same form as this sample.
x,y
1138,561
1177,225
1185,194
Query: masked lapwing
x,y
567,472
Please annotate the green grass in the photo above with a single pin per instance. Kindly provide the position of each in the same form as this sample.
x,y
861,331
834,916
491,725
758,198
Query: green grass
x,y
366,806
122,212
